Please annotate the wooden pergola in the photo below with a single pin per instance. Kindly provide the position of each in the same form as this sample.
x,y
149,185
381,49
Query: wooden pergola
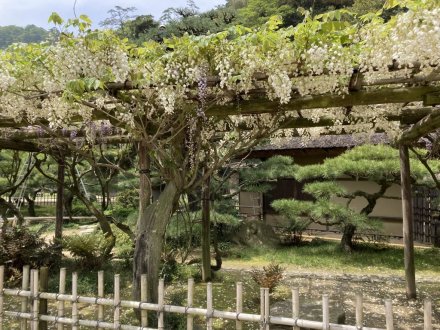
x,y
419,97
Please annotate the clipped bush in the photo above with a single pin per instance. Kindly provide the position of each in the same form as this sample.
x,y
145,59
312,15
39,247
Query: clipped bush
x,y
269,277
88,249
20,247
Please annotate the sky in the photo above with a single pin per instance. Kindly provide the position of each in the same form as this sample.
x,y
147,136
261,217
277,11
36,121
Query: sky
x,y
25,12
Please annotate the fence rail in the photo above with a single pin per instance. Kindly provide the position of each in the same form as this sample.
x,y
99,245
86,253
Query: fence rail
x,y
37,315
50,199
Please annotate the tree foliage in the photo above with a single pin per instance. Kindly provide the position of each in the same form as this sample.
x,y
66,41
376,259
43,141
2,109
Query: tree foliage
x,y
30,34
373,163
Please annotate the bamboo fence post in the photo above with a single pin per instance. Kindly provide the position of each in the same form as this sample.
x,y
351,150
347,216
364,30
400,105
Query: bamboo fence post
x,y
209,304
389,314
261,309
160,321
2,280
100,295
266,308
359,310
24,300
31,300
43,286
117,302
75,301
144,298
428,314
35,301
325,313
190,301
239,305
61,290
295,306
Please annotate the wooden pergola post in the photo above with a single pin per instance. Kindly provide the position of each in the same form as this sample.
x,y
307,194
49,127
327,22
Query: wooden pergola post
x,y
59,209
407,214
206,231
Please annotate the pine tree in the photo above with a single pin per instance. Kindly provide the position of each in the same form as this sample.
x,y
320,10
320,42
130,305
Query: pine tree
x,y
375,163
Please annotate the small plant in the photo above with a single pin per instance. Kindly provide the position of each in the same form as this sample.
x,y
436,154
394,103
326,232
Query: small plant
x,y
124,247
89,249
269,277
20,247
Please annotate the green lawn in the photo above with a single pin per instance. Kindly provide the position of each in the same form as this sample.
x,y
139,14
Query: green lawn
x,y
326,256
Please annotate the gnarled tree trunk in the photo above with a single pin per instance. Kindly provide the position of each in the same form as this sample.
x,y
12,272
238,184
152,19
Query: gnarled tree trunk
x,y
347,237
151,226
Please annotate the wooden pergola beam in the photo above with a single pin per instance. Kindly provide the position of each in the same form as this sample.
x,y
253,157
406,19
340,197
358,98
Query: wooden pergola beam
x,y
429,123
19,145
258,104
407,116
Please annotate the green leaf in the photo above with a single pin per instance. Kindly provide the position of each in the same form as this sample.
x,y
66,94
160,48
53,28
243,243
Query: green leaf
x,y
76,86
92,84
274,22
85,18
55,18
391,4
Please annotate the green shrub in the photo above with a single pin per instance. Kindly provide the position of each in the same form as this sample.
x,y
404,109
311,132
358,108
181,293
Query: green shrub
x,y
172,271
269,277
120,213
20,247
173,320
124,248
79,209
88,249
128,198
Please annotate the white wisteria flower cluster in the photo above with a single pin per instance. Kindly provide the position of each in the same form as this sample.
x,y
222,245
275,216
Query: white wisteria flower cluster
x,y
73,79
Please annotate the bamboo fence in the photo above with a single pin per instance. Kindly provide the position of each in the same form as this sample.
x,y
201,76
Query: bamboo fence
x,y
33,312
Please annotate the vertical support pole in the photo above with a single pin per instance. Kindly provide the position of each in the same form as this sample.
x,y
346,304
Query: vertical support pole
x,y
75,301
428,315
359,310
190,301
117,302
325,313
43,285
160,319
389,314
261,309
61,290
239,305
31,300
206,231
100,295
144,298
59,208
24,300
209,306
295,305
408,239
266,309
2,281
35,300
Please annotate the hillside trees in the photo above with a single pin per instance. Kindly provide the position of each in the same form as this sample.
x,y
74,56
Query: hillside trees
x,y
257,12
374,163
11,34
